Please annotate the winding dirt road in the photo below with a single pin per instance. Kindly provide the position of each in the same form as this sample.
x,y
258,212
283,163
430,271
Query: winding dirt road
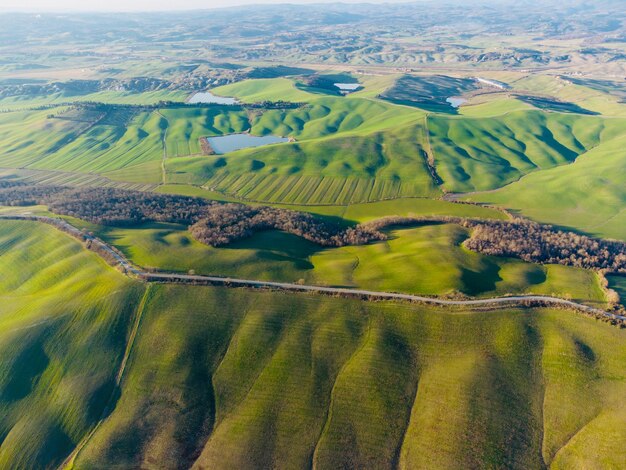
x,y
128,267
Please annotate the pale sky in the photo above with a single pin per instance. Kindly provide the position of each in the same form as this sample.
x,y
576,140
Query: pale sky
x,y
146,5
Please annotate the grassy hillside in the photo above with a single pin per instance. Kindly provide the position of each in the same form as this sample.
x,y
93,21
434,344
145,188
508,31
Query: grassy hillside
x,y
112,97
422,260
332,115
276,380
80,142
264,89
338,170
487,153
64,320
428,92
349,149
588,195
187,125
237,379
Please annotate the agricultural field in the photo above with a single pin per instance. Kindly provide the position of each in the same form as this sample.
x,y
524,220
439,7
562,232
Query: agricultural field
x,y
588,195
505,113
64,324
427,259
527,376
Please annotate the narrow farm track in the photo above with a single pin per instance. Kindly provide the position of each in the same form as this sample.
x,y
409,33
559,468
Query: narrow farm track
x,y
129,268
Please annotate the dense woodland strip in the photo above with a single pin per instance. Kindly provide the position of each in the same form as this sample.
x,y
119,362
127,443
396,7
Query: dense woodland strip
x,y
530,241
229,222
219,224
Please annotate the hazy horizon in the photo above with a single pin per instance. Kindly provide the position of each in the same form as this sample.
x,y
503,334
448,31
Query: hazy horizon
x,y
157,5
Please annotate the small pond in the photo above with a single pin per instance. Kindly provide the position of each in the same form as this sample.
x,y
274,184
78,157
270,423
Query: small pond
x,y
347,87
208,97
231,142
456,101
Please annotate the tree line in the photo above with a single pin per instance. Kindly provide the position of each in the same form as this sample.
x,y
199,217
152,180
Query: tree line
x,y
210,222
529,241
218,224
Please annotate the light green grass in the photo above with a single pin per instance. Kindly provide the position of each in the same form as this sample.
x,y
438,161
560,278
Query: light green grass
x,y
63,324
106,147
110,97
187,125
487,153
264,89
588,195
265,379
618,284
417,207
357,212
235,378
339,170
430,260
422,260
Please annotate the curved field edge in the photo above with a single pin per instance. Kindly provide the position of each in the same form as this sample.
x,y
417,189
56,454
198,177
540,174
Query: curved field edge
x,y
587,195
426,259
233,378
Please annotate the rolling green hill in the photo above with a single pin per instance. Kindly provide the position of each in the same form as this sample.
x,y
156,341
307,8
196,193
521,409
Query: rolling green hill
x,y
588,195
481,154
427,259
237,379
348,149
64,320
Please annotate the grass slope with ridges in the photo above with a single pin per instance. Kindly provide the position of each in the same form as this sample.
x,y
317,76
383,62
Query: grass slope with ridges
x,y
481,154
238,378
273,380
426,259
588,195
63,325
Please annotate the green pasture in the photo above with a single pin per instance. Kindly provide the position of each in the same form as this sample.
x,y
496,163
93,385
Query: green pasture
x,y
250,377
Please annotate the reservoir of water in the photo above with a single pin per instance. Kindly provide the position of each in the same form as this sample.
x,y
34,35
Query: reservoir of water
x,y
456,101
229,143
208,97
347,87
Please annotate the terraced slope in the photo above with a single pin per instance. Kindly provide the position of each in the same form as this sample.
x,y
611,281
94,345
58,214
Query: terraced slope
x,y
235,378
81,143
336,170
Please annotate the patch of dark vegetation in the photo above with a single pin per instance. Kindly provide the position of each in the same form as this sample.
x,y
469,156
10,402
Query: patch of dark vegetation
x,y
278,71
106,206
210,222
543,244
226,223
218,224
530,241
110,206
320,83
85,87
615,88
551,104
428,92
